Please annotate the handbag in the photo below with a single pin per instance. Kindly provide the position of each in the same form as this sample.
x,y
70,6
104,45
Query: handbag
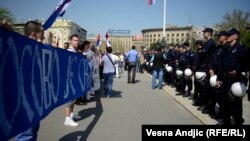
x,y
111,62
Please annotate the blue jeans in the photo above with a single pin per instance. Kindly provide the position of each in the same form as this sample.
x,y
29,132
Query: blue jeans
x,y
159,73
108,83
29,135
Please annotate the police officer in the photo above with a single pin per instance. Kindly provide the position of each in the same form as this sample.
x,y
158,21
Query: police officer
x,y
171,62
197,97
189,57
232,67
180,62
216,68
177,66
204,60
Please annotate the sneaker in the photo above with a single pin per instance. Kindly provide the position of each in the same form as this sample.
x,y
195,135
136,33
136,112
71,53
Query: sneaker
x,y
70,122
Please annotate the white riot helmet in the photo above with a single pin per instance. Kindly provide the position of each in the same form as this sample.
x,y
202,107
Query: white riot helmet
x,y
151,64
200,76
166,66
169,69
179,73
243,74
213,81
238,89
188,72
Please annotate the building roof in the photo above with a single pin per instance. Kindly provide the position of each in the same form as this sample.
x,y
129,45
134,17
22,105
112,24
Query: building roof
x,y
167,29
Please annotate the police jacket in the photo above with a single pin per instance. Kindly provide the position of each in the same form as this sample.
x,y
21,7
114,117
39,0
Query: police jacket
x,y
217,58
189,58
183,62
171,57
234,59
205,55
198,62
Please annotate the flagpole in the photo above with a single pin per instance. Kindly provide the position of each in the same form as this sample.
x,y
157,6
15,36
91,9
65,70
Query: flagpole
x,y
164,19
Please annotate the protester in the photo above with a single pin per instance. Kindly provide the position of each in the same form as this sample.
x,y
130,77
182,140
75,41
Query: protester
x,y
120,62
89,54
66,45
158,66
33,30
108,61
74,40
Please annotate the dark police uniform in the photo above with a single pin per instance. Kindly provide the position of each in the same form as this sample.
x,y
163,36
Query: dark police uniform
x,y
189,57
171,56
217,95
205,56
233,60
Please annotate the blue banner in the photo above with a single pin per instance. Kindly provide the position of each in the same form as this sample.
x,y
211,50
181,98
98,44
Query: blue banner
x,y
35,79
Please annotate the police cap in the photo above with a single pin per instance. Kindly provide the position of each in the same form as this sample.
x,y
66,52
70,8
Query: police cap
x,y
222,33
208,30
186,44
199,42
233,31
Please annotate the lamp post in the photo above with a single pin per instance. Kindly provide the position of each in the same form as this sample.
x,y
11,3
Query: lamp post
x,y
164,19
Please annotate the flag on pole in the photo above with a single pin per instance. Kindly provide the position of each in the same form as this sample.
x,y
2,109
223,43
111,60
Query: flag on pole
x,y
151,2
59,11
107,40
98,42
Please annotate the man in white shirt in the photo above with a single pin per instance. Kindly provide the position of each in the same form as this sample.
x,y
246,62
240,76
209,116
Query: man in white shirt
x,y
108,61
74,40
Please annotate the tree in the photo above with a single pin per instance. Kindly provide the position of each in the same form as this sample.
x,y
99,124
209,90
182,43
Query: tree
x,y
6,14
239,20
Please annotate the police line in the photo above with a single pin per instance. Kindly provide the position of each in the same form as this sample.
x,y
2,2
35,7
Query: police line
x,y
34,80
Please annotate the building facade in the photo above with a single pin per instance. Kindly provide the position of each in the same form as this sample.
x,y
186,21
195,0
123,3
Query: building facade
x,y
62,29
174,35
138,42
59,33
121,43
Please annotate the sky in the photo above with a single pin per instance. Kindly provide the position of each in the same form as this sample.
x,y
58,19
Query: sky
x,y
98,16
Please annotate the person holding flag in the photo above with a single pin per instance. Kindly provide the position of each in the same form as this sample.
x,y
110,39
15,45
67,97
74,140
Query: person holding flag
x,y
33,30
108,61
108,40
98,42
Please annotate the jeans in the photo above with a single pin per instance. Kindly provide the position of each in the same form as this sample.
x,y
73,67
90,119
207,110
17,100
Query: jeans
x,y
28,135
108,83
159,73
131,67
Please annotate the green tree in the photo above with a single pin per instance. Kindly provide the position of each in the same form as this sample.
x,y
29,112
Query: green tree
x,y
6,14
154,46
239,20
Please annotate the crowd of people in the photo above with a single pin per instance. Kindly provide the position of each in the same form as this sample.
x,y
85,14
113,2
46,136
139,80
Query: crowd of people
x,y
218,69
218,72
